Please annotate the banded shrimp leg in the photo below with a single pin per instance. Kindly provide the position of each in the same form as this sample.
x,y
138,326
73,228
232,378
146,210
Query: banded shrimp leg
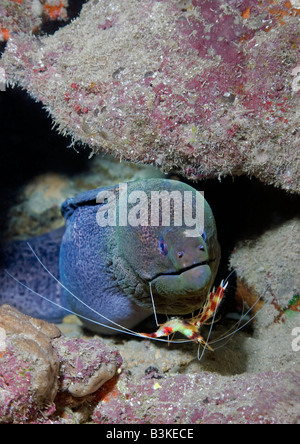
x,y
191,327
117,327
240,327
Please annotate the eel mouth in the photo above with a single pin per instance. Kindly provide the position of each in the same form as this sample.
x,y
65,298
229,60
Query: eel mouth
x,y
182,291
183,270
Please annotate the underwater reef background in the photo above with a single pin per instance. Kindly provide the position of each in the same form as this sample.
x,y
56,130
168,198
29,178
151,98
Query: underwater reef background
x,y
206,92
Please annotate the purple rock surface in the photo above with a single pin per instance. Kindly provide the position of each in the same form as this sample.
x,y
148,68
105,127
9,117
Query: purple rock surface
x,y
206,398
29,367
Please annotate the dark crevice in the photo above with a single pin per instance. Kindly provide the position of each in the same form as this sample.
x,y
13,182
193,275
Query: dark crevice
x,y
51,26
29,147
2,47
28,144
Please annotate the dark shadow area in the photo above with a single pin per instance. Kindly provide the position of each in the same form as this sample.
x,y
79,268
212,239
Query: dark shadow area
x,y
2,48
28,144
73,11
30,147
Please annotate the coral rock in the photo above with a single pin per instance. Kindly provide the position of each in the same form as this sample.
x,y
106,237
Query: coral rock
x,y
36,364
86,364
29,367
206,88
269,266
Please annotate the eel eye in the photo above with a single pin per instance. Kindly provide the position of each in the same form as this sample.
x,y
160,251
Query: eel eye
x,y
162,246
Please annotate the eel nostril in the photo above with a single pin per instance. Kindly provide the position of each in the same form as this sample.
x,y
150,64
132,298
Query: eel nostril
x,y
180,254
201,247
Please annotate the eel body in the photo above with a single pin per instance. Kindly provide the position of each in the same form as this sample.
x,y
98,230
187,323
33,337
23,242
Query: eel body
x,y
119,245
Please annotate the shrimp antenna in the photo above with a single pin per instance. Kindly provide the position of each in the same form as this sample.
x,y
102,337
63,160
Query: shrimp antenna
x,y
119,328
238,329
243,317
227,279
207,339
130,332
76,297
58,305
153,304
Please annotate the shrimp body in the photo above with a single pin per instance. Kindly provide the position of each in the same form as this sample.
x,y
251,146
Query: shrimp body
x,y
191,327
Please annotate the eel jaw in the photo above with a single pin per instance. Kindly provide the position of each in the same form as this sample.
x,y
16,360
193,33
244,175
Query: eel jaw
x,y
182,291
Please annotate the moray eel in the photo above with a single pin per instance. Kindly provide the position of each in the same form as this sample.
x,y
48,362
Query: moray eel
x,y
117,246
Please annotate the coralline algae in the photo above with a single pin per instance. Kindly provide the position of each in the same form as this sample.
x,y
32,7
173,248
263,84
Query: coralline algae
x,y
205,88
85,365
29,367
37,366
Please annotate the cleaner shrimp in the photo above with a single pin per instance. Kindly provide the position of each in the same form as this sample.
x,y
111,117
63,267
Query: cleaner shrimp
x,y
188,327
